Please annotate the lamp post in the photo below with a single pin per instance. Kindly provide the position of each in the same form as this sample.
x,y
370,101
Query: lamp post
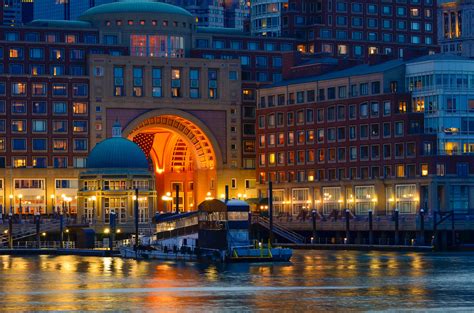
x,y
396,227
270,210
38,198
348,233
112,230
422,227
20,196
313,216
67,232
37,222
166,198
11,204
136,223
52,204
93,198
61,232
371,232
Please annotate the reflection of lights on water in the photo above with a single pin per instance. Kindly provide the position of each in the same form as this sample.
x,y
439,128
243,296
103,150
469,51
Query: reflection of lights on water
x,y
211,273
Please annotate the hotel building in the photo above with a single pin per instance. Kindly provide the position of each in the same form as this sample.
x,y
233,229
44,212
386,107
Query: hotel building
x,y
378,137
63,84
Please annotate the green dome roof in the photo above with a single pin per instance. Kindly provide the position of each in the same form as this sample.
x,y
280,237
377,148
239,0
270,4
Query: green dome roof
x,y
134,7
117,152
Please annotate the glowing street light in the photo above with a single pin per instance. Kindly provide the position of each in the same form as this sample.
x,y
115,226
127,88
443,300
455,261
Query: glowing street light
x,y
209,196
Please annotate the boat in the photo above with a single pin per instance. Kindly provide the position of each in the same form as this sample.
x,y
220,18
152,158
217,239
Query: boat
x,y
149,252
263,254
222,236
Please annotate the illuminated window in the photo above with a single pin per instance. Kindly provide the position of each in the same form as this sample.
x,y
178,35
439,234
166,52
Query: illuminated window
x,y
414,12
119,89
406,198
37,69
400,170
59,89
57,54
79,126
175,83
138,82
57,70
271,159
212,81
424,169
19,89
19,162
18,126
342,49
365,199
79,108
38,89
59,144
70,38
16,53
402,107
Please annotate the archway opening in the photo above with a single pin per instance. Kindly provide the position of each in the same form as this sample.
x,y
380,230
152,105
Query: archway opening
x,y
181,154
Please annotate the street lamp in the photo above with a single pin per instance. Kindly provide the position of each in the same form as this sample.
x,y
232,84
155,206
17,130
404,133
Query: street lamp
x,y
52,204
93,199
38,198
209,196
68,238
20,196
11,204
166,198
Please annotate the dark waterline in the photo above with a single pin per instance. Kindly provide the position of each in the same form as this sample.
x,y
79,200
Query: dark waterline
x,y
313,281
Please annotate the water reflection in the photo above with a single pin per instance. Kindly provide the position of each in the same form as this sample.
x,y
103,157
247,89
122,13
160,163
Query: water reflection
x,y
322,280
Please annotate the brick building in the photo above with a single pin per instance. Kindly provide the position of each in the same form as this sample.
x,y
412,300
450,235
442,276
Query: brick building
x,y
358,139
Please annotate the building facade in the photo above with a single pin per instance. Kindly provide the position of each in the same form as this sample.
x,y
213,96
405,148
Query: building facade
x,y
455,34
117,172
349,29
363,139
64,83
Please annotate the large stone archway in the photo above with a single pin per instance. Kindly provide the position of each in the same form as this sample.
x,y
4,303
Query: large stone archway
x,y
183,151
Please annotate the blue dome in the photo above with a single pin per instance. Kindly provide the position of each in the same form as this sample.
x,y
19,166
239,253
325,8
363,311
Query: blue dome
x,y
134,6
117,152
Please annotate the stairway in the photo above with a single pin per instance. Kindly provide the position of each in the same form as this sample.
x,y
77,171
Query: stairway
x,y
281,231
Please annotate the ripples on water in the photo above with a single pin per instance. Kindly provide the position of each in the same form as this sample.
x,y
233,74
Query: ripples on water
x,y
313,281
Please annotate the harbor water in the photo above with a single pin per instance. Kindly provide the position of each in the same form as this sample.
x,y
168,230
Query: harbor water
x,y
313,281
